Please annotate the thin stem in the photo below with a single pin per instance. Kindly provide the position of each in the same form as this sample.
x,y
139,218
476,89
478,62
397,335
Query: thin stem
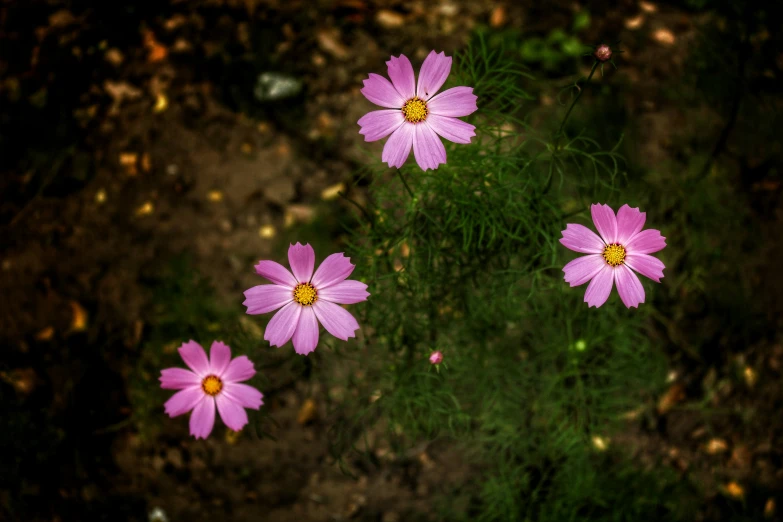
x,y
576,99
405,183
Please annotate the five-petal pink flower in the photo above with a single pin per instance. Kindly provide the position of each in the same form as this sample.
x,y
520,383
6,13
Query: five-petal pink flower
x,y
306,298
622,248
415,115
210,383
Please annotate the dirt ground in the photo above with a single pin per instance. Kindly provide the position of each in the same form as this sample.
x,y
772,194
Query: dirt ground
x,y
167,152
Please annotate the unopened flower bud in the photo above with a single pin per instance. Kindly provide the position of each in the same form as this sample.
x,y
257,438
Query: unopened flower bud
x,y
436,357
603,53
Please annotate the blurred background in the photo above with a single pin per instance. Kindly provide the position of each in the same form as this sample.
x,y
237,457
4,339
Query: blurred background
x,y
151,152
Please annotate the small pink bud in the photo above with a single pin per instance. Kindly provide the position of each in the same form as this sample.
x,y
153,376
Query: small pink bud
x,y
603,53
436,357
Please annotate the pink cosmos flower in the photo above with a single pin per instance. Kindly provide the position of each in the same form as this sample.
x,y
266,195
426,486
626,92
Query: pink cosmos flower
x,y
415,116
212,382
622,248
436,357
306,298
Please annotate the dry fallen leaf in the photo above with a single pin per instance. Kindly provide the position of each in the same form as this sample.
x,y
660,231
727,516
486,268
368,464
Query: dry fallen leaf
x,y
45,334
389,19
307,412
146,209
715,446
734,490
675,394
155,51
267,232
329,41
161,103
769,508
79,319
332,191
498,17
232,436
215,196
664,36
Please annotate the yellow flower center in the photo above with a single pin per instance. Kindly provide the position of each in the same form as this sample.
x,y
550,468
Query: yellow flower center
x,y
212,385
415,110
614,254
305,294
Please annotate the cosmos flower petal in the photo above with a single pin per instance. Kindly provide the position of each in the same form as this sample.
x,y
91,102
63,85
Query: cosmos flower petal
x,y
306,335
195,357
454,130
398,146
302,260
283,324
427,148
183,401
337,321
202,419
276,273
628,286
401,73
583,269
454,102
433,74
600,287
266,298
379,124
605,222
579,238
333,269
244,395
381,92
345,292
646,242
239,369
629,222
234,415
178,379
646,265
219,358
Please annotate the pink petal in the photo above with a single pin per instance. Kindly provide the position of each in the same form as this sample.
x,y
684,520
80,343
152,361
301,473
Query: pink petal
x,y
306,334
265,298
583,269
433,74
333,269
178,379
195,357
203,418
648,266
646,242
276,273
402,77
600,287
454,130
379,124
605,222
628,286
579,238
427,148
349,291
337,321
234,416
381,92
302,261
629,222
454,102
239,369
219,357
184,401
283,324
244,395
398,146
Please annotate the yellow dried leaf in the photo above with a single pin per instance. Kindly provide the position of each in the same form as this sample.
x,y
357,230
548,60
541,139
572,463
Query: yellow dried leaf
x,y
307,412
635,22
715,446
600,443
664,36
215,196
267,232
100,196
161,103
734,490
232,436
45,334
675,394
79,317
332,192
750,376
146,209
769,508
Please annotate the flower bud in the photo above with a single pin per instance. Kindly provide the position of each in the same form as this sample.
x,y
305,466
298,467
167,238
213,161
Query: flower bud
x,y
603,53
436,357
